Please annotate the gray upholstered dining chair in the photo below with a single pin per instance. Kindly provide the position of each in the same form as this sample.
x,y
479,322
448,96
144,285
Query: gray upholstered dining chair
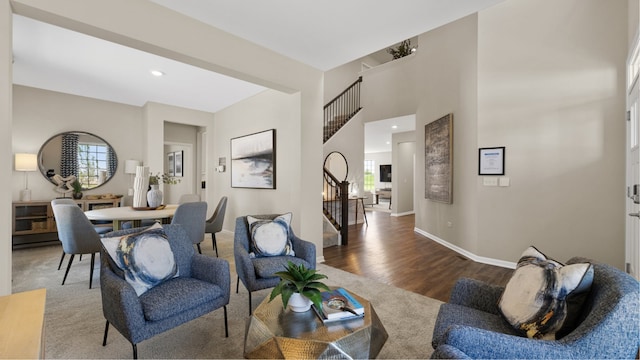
x,y
77,235
192,217
257,273
201,286
214,223
100,228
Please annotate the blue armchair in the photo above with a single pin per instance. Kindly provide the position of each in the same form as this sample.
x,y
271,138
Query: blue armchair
x,y
470,327
257,273
201,287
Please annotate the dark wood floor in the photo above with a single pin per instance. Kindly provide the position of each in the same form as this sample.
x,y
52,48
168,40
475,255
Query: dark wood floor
x,y
388,250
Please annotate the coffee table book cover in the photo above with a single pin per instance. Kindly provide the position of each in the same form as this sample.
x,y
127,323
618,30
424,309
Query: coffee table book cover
x,y
330,313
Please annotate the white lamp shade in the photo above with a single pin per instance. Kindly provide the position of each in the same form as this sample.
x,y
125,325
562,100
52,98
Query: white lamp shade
x,y
130,166
26,162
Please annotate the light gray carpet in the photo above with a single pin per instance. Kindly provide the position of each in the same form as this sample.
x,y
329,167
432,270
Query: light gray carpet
x,y
74,324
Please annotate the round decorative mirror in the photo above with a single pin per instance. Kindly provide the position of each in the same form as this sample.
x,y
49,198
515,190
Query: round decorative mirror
x,y
337,165
89,157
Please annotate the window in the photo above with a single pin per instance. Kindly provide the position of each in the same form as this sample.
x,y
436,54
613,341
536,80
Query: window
x,y
369,175
92,164
633,66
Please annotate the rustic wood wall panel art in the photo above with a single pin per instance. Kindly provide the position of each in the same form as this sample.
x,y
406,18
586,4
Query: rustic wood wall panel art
x,y
438,146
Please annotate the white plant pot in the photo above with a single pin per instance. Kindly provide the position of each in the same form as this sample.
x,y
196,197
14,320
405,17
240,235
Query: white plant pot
x,y
299,303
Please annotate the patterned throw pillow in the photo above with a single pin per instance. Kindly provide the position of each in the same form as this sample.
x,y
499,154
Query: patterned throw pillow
x,y
145,258
270,237
535,299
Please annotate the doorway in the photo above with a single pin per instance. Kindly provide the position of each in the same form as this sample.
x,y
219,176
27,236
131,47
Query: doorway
x,y
632,242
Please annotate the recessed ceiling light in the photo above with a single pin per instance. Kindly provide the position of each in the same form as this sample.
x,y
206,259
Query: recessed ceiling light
x,y
394,127
156,73
388,142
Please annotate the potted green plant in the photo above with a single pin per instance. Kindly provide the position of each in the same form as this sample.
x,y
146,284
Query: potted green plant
x,y
164,178
77,189
299,287
403,49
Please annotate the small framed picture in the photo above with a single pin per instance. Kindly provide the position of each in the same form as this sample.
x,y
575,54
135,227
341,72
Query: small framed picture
x,y
491,161
171,164
178,161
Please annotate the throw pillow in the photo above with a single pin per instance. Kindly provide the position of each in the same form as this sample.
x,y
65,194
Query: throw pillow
x,y
270,237
535,299
145,257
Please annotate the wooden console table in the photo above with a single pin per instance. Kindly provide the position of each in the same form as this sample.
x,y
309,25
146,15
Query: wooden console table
x,y
22,330
33,221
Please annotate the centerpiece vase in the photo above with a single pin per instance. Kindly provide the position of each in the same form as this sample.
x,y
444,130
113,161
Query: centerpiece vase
x,y
140,185
299,302
154,196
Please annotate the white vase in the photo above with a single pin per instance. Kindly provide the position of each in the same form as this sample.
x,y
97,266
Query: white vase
x,y
299,303
140,185
154,196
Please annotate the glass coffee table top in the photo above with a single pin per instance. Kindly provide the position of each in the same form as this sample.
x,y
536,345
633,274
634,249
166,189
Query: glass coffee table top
x,y
273,332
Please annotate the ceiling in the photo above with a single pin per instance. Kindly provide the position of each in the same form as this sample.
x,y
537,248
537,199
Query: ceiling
x,y
323,35
377,134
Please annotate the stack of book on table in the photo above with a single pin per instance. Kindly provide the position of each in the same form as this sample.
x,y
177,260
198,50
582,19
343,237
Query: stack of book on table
x,y
335,305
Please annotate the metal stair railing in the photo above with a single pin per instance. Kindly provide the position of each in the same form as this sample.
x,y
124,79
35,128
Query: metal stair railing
x,y
336,204
341,109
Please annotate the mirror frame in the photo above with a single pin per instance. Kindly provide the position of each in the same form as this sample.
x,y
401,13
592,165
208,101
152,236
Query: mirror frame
x,y
43,170
346,164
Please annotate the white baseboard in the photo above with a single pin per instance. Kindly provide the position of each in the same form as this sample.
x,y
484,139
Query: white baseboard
x,y
463,252
403,214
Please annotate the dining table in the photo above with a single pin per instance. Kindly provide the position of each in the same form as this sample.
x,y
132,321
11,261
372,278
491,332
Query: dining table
x,y
120,215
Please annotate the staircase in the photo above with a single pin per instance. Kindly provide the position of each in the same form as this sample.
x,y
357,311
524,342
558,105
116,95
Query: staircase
x,y
336,198
336,114
341,109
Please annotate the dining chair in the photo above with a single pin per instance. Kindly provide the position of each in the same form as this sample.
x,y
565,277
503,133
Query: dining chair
x,y
192,217
77,235
186,198
214,223
100,229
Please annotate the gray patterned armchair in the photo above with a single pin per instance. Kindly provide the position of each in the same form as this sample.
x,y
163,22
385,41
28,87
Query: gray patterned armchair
x,y
201,287
470,327
257,273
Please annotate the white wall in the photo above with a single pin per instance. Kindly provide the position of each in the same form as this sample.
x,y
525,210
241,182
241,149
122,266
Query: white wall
x,y
551,86
390,90
268,110
446,78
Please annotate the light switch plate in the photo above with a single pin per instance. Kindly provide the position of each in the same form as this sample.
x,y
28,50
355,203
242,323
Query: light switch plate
x,y
490,181
504,181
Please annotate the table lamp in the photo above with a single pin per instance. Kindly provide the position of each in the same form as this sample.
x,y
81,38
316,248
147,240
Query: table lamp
x,y
26,163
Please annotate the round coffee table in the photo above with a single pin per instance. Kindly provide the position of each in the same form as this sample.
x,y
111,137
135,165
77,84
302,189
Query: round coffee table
x,y
273,332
